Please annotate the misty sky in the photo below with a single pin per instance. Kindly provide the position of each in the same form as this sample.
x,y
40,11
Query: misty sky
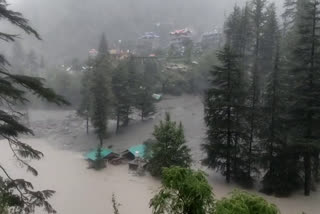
x,y
71,27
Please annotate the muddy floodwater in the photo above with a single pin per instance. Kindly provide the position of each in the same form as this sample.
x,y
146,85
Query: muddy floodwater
x,y
61,136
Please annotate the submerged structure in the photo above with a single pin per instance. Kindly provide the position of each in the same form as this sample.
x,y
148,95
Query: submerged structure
x,y
106,154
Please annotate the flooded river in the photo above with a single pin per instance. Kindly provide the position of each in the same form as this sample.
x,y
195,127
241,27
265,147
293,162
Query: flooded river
x,y
82,191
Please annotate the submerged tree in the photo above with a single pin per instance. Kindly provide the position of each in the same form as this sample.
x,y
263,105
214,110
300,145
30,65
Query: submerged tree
x,y
86,102
101,92
121,92
133,87
145,103
183,191
169,148
19,194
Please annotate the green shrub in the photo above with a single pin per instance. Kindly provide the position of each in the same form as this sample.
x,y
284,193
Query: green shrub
x,y
245,203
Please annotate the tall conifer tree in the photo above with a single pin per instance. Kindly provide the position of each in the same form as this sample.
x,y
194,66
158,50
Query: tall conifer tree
x,y
101,92
305,93
121,92
221,110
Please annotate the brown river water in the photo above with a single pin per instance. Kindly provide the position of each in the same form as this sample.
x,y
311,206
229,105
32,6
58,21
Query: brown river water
x,y
81,190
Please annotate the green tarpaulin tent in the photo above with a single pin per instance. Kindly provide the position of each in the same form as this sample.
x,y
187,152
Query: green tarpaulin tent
x,y
93,154
138,150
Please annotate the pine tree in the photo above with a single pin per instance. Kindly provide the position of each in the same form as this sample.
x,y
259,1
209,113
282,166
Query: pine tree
x,y
305,73
169,148
103,46
281,175
289,15
19,194
121,92
145,103
133,88
232,28
86,96
101,93
268,42
290,27
259,17
273,132
151,73
238,31
222,105
246,35
254,99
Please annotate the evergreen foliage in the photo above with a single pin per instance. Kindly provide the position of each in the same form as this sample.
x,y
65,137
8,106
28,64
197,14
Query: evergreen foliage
x,y
100,100
133,88
187,191
86,98
269,41
101,96
169,148
121,92
223,103
305,90
145,103
19,194
103,47
255,91
238,32
279,114
281,175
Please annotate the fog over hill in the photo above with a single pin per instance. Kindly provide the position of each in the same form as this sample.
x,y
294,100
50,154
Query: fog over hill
x,y
72,27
